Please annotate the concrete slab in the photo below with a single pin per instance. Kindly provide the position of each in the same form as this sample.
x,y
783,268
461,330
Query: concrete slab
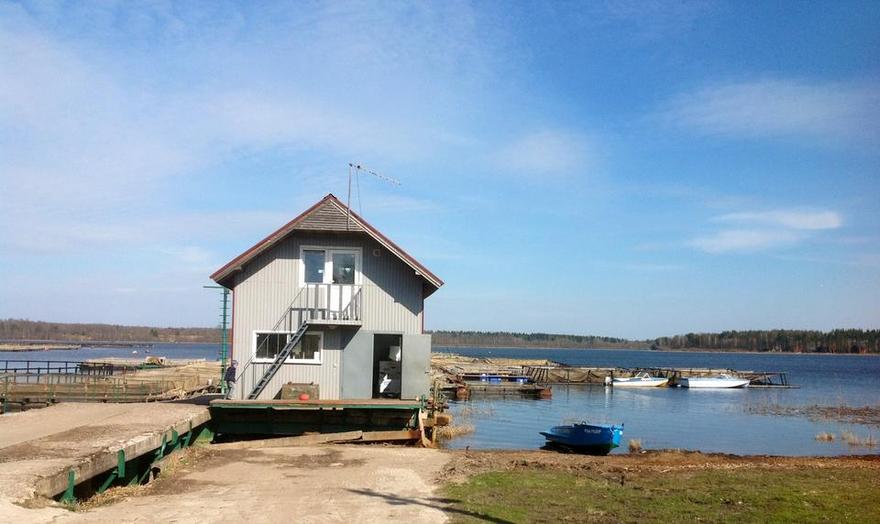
x,y
310,485
38,447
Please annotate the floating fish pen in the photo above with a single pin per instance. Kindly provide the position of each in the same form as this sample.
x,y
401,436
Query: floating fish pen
x,y
25,385
561,374
466,375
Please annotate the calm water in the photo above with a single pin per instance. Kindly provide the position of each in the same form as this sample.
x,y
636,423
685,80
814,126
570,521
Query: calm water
x,y
709,420
176,351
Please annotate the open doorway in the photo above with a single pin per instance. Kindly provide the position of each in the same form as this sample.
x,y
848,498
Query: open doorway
x,y
386,365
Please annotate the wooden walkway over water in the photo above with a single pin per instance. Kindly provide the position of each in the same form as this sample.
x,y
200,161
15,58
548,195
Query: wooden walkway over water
x,y
465,375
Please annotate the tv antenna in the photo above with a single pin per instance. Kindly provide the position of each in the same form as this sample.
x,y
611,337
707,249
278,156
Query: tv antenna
x,y
354,171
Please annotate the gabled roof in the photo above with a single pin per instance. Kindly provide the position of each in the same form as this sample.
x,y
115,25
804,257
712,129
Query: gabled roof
x,y
328,214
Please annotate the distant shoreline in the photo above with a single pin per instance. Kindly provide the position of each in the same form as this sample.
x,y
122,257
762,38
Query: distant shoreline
x,y
647,349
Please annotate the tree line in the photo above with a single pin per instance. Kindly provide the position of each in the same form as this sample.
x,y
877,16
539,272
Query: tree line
x,y
17,329
777,340
537,340
782,340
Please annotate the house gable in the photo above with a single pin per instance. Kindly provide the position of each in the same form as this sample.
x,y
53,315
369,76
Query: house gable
x,y
327,215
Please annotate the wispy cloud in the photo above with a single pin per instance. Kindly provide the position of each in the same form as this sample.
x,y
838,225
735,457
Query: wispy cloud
x,y
89,140
792,219
652,267
547,152
764,230
744,240
773,107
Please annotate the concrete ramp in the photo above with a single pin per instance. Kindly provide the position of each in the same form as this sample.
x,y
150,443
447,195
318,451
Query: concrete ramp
x,y
39,448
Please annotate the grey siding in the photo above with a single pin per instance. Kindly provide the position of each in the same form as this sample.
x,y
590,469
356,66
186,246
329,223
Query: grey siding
x,y
392,303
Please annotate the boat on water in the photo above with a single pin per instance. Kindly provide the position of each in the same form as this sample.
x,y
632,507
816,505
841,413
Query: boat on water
x,y
594,439
719,381
639,380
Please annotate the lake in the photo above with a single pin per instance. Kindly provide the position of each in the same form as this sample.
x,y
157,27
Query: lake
x,y
725,421
175,351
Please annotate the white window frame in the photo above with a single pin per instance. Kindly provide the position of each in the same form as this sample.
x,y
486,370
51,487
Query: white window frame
x,y
328,263
316,360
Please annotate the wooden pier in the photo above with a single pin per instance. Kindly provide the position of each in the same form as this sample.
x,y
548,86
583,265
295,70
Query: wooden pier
x,y
466,375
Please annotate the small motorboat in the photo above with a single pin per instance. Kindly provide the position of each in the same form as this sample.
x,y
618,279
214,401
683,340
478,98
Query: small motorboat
x,y
720,381
594,439
639,380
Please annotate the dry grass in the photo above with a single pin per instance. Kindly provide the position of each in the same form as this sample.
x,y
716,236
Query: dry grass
x,y
449,432
635,445
856,441
825,437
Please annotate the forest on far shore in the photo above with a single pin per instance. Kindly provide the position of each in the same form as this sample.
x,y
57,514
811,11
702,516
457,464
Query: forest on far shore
x,y
776,340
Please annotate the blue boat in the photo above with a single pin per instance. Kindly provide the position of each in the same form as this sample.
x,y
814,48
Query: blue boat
x,y
594,439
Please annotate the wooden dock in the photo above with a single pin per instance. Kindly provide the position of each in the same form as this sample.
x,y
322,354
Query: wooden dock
x,y
466,375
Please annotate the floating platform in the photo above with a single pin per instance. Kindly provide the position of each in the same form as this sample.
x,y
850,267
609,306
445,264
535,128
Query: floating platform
x,y
299,417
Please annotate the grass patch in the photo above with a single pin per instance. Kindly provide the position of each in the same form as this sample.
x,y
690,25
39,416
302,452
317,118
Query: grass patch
x,y
727,495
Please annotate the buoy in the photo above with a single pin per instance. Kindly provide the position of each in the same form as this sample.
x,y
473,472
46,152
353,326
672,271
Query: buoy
x,y
304,396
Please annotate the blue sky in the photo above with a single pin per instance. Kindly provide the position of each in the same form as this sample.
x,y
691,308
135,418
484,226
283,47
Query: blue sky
x,y
629,169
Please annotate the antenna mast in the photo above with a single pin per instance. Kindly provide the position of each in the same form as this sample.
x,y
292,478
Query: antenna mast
x,y
354,170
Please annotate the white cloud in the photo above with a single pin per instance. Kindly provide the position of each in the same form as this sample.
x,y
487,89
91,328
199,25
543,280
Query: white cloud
x,y
828,112
94,129
806,220
744,240
766,230
544,152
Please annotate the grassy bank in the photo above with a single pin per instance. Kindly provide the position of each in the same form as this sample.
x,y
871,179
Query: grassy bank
x,y
682,490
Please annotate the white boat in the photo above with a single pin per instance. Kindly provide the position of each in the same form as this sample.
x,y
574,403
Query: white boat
x,y
640,380
719,381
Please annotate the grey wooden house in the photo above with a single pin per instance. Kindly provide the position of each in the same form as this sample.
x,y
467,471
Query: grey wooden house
x,y
327,299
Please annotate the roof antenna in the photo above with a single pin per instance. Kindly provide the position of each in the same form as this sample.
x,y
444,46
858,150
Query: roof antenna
x,y
355,170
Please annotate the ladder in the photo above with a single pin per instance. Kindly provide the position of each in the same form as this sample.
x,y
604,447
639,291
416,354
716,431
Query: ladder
x,y
279,360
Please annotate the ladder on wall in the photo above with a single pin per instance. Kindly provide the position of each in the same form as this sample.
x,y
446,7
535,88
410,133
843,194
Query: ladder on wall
x,y
280,358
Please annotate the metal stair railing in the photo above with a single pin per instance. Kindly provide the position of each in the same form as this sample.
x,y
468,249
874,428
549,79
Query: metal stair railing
x,y
312,302
279,360
285,317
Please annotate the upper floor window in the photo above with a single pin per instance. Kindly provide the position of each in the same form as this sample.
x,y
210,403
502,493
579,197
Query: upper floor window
x,y
330,266
313,262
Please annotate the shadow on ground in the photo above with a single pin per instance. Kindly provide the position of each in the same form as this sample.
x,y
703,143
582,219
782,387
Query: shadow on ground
x,y
442,504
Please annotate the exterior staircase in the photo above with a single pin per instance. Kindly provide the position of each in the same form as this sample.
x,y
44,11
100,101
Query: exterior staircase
x,y
278,362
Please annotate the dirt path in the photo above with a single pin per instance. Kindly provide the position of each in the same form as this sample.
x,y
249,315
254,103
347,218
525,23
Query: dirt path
x,y
313,484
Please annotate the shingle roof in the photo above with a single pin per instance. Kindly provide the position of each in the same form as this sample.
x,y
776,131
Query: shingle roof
x,y
328,214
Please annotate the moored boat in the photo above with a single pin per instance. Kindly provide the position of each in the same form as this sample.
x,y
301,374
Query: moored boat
x,y
719,381
640,380
596,439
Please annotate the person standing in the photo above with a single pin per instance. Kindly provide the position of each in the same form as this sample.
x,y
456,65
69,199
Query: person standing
x,y
229,378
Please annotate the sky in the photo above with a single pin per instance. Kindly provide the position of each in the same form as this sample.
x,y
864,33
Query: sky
x,y
623,168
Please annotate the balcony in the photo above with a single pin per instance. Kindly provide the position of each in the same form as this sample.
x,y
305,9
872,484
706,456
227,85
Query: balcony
x,y
328,304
